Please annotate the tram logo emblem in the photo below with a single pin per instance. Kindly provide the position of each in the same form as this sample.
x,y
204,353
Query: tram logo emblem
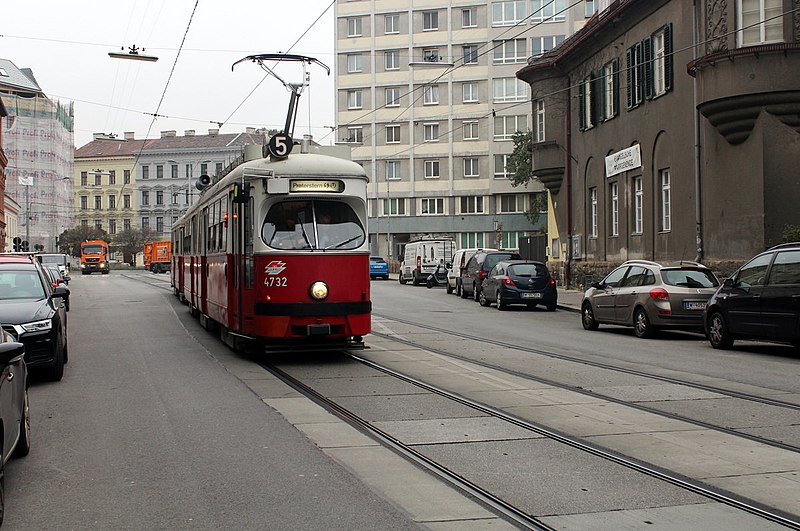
x,y
275,267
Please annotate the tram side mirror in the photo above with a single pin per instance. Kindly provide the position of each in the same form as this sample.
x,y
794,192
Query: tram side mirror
x,y
202,181
241,192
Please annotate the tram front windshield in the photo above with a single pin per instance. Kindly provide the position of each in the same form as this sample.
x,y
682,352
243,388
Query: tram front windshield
x,y
312,224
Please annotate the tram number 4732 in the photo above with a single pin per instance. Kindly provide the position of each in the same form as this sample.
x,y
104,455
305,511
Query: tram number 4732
x,y
275,282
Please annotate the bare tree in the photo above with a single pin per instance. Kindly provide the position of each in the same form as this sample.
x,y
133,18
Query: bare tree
x,y
131,242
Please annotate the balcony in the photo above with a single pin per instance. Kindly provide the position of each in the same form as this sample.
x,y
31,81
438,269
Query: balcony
x,y
548,164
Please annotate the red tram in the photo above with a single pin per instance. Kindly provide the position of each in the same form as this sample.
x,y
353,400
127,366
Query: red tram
x,y
276,253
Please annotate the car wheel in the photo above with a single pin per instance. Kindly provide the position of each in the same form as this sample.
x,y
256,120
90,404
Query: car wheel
x,y
449,288
414,278
551,306
460,290
23,447
402,278
482,300
56,371
642,326
718,334
587,317
476,293
499,300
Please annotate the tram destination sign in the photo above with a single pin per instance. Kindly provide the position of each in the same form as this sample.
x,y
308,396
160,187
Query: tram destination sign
x,y
325,186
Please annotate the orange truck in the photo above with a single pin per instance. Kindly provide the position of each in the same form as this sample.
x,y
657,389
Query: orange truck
x,y
158,256
94,257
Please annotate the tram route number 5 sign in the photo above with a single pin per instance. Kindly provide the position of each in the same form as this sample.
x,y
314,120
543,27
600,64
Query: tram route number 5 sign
x,y
280,145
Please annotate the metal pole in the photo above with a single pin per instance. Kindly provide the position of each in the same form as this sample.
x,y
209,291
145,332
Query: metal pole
x,y
388,220
27,216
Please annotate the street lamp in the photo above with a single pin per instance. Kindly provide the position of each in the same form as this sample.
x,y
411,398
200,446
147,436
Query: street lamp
x,y
189,174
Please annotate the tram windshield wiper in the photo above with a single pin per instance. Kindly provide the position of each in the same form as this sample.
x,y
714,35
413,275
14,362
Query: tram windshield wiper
x,y
337,245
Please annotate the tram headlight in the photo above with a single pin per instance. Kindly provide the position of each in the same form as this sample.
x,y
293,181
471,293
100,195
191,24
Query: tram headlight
x,y
319,290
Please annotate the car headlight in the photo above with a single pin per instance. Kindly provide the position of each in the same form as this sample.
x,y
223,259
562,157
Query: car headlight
x,y
102,265
38,326
319,290
83,265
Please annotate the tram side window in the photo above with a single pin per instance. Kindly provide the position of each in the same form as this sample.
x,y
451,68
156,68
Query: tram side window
x,y
312,224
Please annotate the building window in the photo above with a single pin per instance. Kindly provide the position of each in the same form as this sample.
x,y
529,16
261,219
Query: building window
x,y
84,202
638,205
510,204
98,179
666,208
660,73
112,177
470,54
510,51
471,239
430,55
355,135
471,204
508,13
353,99
112,226
609,95
84,178
540,45
471,130
391,24
590,8
145,198
548,10
586,103
538,106
471,167
126,224
510,239
188,171
126,201
506,126
431,206
469,92
174,200
98,224
98,202
354,27
634,68
159,171
509,89
159,197
392,170
469,18
391,60
759,21
84,223
430,95
593,212
392,97
431,169
430,20
112,202
145,172
159,224
395,206
614,192
500,164
392,134
126,177
173,171
145,222
431,132
354,63
217,168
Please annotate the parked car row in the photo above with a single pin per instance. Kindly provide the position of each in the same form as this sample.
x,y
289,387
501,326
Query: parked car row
x,y
761,300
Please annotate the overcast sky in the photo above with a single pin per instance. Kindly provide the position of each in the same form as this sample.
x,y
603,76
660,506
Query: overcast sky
x,y
66,44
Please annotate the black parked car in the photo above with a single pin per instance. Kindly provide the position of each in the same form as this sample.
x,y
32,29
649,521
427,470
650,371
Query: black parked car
x,y
478,268
56,279
32,312
519,282
760,301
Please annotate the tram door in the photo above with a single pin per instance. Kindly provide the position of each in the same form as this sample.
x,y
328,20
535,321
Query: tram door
x,y
243,279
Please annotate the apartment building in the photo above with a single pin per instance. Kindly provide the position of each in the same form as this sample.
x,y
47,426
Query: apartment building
x,y
428,100
669,130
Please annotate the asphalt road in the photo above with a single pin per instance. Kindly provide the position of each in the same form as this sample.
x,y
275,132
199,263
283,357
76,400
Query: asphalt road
x,y
147,430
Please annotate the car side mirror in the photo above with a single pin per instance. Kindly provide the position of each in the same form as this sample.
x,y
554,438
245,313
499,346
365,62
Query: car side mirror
x,y
60,291
597,285
729,283
10,350
448,265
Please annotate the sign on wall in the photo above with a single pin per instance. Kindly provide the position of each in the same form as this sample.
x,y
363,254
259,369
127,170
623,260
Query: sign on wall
x,y
624,160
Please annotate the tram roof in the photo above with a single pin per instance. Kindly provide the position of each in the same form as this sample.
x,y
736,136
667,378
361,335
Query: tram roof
x,y
300,165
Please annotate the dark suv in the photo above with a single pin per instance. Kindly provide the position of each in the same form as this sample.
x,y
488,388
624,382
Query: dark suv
x,y
760,301
33,312
477,269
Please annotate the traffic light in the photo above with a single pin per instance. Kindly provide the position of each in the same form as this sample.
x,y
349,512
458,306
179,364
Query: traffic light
x,y
17,243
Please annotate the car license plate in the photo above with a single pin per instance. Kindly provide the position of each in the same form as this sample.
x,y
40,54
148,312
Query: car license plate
x,y
694,305
531,295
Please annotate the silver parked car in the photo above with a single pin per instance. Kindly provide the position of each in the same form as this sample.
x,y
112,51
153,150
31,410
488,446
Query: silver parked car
x,y
649,295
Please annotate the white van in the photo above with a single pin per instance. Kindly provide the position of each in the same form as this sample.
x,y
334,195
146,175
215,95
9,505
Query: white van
x,y
460,260
421,258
